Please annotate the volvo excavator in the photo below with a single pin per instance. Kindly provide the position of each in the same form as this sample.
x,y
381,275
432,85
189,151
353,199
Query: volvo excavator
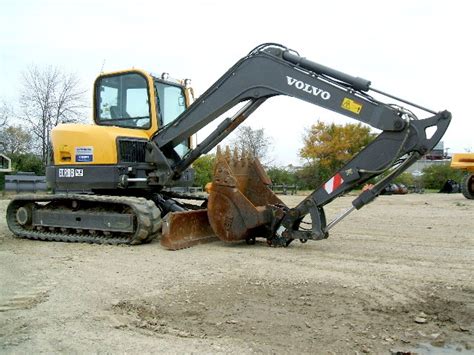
x,y
113,181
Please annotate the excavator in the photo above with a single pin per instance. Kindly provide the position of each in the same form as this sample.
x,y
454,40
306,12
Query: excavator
x,y
116,181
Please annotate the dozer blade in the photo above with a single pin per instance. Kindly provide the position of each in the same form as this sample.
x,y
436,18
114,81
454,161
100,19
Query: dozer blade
x,y
185,229
239,206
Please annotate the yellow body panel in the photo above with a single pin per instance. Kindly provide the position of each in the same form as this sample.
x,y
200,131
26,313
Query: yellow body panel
x,y
464,161
100,141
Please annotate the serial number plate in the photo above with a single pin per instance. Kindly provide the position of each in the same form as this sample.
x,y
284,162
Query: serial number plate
x,y
70,172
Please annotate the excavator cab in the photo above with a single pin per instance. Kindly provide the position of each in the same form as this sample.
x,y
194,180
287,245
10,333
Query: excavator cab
x,y
135,99
130,107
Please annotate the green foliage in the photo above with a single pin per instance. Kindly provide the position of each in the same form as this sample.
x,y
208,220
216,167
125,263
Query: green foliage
x,y
435,176
310,176
27,162
406,179
203,167
2,181
281,176
307,177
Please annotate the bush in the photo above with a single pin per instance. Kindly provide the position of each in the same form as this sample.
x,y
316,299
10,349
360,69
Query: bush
x,y
310,176
406,179
281,176
435,176
27,162
203,169
2,181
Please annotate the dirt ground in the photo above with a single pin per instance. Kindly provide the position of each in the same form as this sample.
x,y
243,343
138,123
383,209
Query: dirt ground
x,y
397,275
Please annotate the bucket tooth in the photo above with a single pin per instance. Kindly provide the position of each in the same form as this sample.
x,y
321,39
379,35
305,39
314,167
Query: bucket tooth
x,y
235,157
227,154
242,159
223,173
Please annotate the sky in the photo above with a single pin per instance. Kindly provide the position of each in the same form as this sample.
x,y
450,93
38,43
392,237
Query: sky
x,y
418,50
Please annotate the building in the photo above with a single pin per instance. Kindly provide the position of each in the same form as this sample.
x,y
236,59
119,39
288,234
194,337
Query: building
x,y
5,164
436,157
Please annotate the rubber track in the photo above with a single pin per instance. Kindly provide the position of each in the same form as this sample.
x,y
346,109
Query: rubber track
x,y
147,217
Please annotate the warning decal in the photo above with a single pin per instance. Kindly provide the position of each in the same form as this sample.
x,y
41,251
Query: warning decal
x,y
333,183
351,105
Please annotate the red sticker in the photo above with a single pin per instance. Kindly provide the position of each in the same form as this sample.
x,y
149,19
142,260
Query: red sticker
x,y
333,183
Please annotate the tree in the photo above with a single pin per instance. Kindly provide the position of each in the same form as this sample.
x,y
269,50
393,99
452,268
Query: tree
x,y
5,113
254,141
328,146
310,176
49,97
15,140
203,168
281,176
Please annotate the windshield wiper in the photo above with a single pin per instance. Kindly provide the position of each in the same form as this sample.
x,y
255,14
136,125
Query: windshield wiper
x,y
124,119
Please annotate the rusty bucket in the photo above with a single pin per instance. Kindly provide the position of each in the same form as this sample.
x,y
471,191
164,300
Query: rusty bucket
x,y
186,229
240,199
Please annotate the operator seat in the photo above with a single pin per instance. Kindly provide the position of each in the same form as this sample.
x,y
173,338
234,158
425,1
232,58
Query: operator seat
x,y
115,113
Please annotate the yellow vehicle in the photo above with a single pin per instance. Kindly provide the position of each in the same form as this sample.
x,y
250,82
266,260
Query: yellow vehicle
x,y
116,181
465,161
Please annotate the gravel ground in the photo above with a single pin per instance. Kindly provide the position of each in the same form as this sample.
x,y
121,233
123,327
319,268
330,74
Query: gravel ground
x,y
396,275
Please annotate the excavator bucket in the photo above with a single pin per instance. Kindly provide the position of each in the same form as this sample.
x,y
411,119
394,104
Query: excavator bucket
x,y
239,206
185,229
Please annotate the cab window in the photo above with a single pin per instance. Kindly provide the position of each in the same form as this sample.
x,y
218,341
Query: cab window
x,y
171,104
123,101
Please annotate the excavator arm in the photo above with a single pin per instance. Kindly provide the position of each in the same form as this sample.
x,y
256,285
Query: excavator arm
x,y
390,150
271,70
